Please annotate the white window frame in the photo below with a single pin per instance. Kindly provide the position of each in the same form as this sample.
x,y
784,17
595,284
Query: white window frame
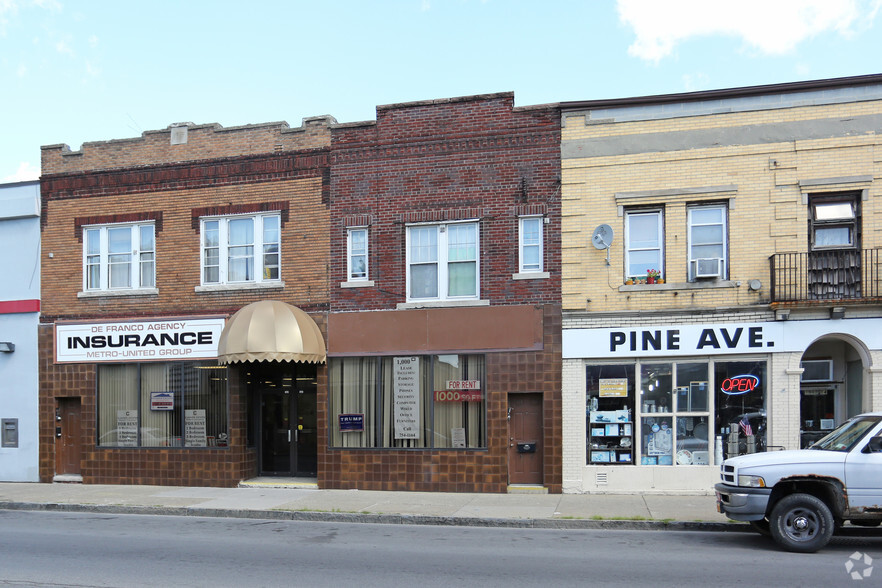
x,y
442,262
724,223
138,259
538,244
351,253
660,216
259,251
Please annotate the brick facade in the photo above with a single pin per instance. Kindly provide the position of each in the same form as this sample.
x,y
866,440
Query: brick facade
x,y
215,172
456,159
763,153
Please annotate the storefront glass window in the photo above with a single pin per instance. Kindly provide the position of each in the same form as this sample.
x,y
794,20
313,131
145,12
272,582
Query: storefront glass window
x,y
430,401
175,404
610,425
740,393
678,410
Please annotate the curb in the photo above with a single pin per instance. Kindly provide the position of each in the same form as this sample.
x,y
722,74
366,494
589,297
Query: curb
x,y
383,519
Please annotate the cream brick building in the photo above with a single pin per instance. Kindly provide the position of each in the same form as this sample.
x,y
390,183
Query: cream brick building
x,y
759,208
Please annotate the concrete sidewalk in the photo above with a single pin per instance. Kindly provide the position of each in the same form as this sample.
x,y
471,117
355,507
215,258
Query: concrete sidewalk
x,y
271,499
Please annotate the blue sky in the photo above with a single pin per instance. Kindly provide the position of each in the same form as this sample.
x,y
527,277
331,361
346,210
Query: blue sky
x,y
79,71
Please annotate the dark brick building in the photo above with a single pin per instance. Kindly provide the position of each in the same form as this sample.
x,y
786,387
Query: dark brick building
x,y
444,325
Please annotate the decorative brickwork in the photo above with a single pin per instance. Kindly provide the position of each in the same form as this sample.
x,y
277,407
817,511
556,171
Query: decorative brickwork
x,y
446,160
174,195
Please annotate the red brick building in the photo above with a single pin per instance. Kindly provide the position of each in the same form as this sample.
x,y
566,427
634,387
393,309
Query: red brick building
x,y
148,245
371,305
444,326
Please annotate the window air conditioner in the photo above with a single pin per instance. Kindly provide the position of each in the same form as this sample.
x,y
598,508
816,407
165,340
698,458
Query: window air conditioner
x,y
708,267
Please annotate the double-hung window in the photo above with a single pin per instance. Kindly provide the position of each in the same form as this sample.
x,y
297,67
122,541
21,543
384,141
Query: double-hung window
x,y
530,244
119,257
707,241
442,261
644,242
241,249
356,254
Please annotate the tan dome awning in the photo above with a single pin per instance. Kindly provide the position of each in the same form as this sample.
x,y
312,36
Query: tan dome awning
x,y
271,330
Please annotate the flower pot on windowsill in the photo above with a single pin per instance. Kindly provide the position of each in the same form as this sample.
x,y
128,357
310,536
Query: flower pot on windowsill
x,y
650,280
660,281
629,282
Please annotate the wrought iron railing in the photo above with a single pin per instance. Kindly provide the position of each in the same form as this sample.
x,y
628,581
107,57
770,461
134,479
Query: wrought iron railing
x,y
826,275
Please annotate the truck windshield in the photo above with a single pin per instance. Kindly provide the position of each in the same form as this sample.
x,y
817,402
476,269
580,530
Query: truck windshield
x,y
847,435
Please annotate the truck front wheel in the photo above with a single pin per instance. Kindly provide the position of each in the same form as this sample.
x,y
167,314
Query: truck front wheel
x,y
801,523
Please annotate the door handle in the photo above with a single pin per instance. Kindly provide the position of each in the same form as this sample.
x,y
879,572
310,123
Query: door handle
x,y
289,435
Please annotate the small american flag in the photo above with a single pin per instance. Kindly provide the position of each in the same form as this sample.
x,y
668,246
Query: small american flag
x,y
745,426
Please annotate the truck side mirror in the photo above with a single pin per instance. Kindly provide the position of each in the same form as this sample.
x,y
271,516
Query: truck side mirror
x,y
874,445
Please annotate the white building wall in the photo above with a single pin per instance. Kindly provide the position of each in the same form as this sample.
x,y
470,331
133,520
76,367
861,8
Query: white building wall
x,y
19,317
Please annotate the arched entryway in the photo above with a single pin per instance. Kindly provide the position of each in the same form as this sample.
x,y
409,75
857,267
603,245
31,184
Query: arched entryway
x,y
279,348
831,385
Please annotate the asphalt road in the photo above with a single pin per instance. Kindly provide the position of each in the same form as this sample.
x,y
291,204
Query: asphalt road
x,y
83,549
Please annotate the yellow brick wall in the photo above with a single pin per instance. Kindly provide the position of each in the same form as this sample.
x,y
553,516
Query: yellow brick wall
x,y
766,215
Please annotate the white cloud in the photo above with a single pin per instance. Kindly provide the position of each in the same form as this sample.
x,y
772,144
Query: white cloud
x,y
24,173
769,26
64,48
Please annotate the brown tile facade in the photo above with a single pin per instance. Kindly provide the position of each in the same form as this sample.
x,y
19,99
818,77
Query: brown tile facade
x,y
468,470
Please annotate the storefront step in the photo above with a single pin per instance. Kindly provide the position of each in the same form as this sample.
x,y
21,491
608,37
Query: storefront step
x,y
67,479
527,489
271,482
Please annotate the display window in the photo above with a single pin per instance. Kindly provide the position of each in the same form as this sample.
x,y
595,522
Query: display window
x,y
671,414
174,404
426,401
741,406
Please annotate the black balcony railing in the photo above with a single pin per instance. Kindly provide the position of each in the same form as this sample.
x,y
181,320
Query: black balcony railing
x,y
826,275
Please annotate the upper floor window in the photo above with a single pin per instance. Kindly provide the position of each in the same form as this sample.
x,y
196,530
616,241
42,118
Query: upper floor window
x,y
834,223
530,244
119,257
644,242
707,241
356,254
442,261
241,249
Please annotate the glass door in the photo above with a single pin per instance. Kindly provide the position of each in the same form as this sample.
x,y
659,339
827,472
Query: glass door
x,y
287,422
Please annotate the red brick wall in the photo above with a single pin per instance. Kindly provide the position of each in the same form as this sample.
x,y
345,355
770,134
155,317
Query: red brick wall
x,y
443,160
473,157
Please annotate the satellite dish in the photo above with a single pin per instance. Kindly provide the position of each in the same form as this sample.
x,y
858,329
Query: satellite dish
x,y
602,237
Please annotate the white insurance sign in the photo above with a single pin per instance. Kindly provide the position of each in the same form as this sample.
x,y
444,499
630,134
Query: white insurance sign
x,y
138,340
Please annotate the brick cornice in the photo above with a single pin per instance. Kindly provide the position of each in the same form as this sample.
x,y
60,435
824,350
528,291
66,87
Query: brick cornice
x,y
383,150
192,174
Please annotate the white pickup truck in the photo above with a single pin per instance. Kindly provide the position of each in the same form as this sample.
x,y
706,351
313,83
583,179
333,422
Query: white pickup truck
x,y
802,497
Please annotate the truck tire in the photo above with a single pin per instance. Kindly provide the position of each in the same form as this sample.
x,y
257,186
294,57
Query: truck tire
x,y
801,523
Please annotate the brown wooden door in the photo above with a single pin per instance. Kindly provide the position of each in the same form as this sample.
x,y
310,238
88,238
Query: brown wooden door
x,y
525,439
68,440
